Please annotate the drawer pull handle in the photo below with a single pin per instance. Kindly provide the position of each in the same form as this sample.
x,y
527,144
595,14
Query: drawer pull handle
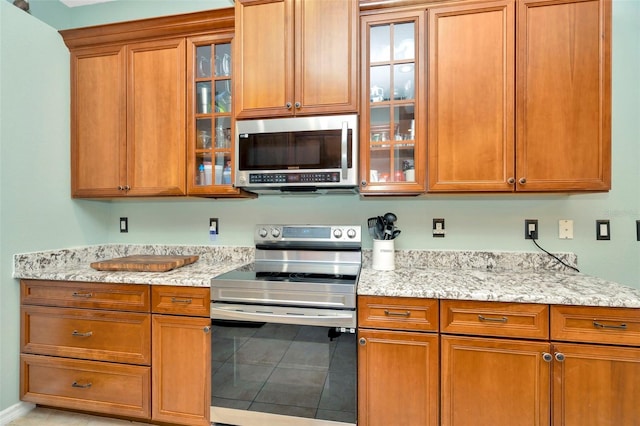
x,y
489,319
596,324
78,334
388,313
87,295
78,385
176,300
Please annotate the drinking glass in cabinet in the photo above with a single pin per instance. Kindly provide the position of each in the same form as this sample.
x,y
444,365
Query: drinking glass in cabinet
x,y
223,132
223,60
203,64
203,95
223,96
203,133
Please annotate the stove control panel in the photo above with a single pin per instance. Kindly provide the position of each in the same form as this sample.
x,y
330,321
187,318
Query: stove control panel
x,y
312,234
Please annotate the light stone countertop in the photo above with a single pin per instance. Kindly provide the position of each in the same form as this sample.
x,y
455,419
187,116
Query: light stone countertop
x,y
524,277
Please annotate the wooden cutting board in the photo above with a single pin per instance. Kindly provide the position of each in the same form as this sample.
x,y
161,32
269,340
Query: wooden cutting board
x,y
144,263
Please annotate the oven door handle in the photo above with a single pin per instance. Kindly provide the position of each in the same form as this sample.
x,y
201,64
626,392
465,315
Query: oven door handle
x,y
346,319
345,145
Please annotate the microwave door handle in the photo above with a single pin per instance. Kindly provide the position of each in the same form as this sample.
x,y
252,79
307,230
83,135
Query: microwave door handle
x,y
344,149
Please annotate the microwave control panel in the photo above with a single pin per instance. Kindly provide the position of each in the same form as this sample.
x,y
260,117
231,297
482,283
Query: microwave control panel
x,y
294,177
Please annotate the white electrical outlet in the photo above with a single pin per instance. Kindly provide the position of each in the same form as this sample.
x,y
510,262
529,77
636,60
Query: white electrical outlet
x,y
565,229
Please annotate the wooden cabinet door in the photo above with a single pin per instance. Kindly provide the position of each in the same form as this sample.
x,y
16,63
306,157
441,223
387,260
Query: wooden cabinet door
x,y
98,121
397,378
564,95
263,58
181,369
487,382
595,385
156,90
326,56
295,57
471,97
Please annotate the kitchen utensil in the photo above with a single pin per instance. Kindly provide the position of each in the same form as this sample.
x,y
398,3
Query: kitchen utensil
x,y
388,231
395,234
390,217
371,224
380,224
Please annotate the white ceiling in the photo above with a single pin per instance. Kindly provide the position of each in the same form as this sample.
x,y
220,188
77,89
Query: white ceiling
x,y
74,3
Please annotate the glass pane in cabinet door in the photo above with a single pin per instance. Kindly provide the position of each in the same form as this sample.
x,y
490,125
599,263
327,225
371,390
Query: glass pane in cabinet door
x,y
380,78
380,43
203,62
203,169
403,42
403,82
223,168
203,97
223,60
203,133
223,96
223,132
380,161
403,118
380,127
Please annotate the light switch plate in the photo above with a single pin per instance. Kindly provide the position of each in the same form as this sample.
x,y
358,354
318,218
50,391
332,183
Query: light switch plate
x,y
603,230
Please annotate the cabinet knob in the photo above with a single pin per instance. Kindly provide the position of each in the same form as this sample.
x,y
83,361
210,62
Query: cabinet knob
x,y
511,180
363,183
120,188
288,105
127,187
559,356
547,357
362,341
522,181
207,329
298,105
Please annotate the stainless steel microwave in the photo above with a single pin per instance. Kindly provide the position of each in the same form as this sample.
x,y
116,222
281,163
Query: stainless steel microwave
x,y
298,154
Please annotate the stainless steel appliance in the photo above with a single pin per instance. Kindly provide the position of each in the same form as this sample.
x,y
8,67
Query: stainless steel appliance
x,y
298,154
284,344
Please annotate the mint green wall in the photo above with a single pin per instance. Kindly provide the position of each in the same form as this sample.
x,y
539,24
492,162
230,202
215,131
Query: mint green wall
x,y
37,212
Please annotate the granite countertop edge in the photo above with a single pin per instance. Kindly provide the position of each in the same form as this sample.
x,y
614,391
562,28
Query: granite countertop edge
x,y
457,275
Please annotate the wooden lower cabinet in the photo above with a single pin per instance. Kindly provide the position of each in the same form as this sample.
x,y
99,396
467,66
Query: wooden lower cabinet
x,y
595,385
492,382
397,378
181,360
99,387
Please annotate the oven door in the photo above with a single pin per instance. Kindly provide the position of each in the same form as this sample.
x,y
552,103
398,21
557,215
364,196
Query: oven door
x,y
271,371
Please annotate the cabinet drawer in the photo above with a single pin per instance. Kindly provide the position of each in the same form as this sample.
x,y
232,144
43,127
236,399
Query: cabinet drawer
x,y
121,297
520,320
620,326
87,334
99,387
398,313
177,300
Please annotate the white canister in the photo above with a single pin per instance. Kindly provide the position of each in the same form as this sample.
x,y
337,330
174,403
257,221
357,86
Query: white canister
x,y
383,255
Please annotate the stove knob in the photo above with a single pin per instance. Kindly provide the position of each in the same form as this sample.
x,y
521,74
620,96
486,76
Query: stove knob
x,y
262,232
337,232
351,233
275,232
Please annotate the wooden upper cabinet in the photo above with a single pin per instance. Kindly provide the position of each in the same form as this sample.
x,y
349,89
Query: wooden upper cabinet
x,y
564,95
156,142
98,121
128,103
471,97
295,57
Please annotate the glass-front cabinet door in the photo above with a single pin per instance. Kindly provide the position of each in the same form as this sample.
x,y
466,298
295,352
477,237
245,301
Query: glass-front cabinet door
x,y
210,118
393,145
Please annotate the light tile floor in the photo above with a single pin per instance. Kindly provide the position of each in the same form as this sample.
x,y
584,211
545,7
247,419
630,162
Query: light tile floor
x,y
41,416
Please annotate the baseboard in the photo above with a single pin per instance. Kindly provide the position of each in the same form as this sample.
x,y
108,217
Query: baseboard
x,y
17,410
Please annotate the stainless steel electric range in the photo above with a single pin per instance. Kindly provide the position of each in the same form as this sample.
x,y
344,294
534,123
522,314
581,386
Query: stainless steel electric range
x,y
284,344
